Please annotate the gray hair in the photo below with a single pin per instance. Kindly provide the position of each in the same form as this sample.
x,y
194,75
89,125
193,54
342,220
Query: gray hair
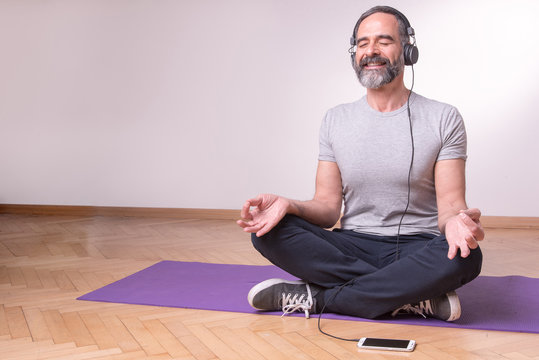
x,y
402,21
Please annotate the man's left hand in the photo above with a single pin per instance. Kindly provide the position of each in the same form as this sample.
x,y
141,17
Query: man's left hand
x,y
463,231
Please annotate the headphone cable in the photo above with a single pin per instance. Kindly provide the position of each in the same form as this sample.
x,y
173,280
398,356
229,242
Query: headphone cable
x,y
400,222
397,255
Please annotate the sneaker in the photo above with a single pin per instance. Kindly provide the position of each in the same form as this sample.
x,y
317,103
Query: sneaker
x,y
285,295
445,307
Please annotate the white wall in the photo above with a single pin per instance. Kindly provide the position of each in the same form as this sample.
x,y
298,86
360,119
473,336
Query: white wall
x,y
201,103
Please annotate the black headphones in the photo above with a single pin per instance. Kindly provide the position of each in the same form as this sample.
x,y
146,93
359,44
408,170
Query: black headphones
x,y
410,51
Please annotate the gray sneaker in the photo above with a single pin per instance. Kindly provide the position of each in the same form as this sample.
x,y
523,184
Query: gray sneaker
x,y
445,307
285,295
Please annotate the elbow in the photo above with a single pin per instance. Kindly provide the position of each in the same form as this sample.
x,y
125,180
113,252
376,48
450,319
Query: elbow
x,y
328,212
332,219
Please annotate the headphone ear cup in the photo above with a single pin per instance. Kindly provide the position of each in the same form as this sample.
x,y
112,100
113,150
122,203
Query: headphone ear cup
x,y
411,54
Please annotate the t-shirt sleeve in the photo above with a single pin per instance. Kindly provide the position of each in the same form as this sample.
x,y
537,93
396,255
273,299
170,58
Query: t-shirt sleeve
x,y
454,141
326,150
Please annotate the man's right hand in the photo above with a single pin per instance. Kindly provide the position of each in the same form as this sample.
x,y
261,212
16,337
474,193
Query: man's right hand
x,y
261,214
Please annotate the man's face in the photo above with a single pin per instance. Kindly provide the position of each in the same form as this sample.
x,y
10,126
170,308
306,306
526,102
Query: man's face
x,y
378,59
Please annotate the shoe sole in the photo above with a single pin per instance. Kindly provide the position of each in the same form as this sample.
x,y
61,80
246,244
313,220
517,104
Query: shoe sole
x,y
266,284
454,303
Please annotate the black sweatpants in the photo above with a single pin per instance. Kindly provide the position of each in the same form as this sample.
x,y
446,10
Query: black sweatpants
x,y
381,282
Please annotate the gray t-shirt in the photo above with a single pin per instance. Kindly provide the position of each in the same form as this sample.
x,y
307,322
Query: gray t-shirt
x,y
373,151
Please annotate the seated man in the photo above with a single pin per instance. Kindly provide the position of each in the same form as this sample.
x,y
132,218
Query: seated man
x,y
397,160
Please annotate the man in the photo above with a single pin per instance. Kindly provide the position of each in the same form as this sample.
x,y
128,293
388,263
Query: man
x,y
407,238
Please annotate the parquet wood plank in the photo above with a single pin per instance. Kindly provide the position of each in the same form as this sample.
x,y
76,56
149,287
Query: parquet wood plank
x,y
78,329
92,280
18,327
37,325
92,251
516,356
58,329
240,321
31,278
4,326
79,250
144,338
237,344
16,350
269,322
267,350
216,345
171,344
4,275
197,348
487,354
144,312
84,353
54,249
98,330
284,346
521,345
530,349
120,333
78,281
52,300
132,355
175,325
211,318
62,353
16,277
62,280
435,353
14,248
341,350
4,250
309,348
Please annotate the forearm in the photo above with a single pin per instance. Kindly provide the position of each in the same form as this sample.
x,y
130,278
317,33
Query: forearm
x,y
318,212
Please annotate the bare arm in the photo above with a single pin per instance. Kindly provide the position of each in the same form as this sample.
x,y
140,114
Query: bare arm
x,y
449,177
461,225
325,207
261,214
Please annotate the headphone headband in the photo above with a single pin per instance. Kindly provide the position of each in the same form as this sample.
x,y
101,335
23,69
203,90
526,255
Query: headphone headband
x,y
411,53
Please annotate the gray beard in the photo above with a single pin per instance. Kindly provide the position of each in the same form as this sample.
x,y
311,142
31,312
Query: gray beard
x,y
375,78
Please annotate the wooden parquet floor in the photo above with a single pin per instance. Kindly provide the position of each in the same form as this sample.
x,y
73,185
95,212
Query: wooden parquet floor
x,y
46,262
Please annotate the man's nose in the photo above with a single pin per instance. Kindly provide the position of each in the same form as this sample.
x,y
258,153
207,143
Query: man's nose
x,y
372,49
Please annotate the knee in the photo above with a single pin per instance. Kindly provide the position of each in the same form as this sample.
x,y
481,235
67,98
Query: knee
x,y
468,268
258,242
475,262
472,263
261,243
275,235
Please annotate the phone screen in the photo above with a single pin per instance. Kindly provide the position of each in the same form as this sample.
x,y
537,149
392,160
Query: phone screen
x,y
391,343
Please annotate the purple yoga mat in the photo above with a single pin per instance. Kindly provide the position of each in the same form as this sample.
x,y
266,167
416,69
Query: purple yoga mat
x,y
509,303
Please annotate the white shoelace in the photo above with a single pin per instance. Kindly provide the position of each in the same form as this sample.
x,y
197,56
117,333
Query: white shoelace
x,y
297,302
423,308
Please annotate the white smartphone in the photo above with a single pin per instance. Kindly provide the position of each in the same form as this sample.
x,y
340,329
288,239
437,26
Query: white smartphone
x,y
386,344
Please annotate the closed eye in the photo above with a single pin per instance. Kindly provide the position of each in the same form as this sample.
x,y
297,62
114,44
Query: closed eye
x,y
380,40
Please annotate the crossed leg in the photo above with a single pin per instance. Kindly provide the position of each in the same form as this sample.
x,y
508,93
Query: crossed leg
x,y
378,282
